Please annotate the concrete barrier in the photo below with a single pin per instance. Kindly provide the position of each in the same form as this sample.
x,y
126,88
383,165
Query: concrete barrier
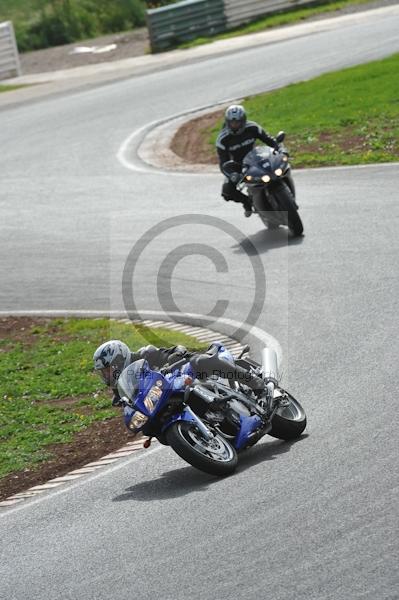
x,y
9,57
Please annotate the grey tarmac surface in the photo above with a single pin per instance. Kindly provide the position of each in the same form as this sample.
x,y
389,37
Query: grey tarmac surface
x,y
316,519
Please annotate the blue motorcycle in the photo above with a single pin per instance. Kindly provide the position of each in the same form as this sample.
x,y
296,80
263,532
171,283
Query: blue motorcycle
x,y
208,407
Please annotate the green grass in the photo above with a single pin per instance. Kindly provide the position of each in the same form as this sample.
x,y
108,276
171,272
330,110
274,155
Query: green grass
x,y
289,17
342,118
9,88
58,365
11,10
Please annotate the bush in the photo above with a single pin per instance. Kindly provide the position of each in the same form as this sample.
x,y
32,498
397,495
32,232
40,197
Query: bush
x,y
120,15
64,21
158,3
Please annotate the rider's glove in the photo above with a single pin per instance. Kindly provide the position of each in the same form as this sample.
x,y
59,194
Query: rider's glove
x,y
116,400
235,178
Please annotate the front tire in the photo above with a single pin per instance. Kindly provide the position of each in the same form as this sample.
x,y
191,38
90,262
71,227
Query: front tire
x,y
287,203
264,210
216,456
289,421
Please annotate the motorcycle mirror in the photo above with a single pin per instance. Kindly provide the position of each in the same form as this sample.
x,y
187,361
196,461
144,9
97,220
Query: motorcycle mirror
x,y
280,136
243,351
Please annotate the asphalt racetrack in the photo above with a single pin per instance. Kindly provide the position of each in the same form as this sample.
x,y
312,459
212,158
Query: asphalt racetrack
x,y
311,520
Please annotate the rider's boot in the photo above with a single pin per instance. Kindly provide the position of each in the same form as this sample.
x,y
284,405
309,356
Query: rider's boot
x,y
247,209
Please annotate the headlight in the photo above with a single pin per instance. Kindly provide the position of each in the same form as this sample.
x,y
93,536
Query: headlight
x,y
285,158
278,172
248,177
137,421
265,178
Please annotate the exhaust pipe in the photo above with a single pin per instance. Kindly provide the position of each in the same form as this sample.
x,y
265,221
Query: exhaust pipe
x,y
270,366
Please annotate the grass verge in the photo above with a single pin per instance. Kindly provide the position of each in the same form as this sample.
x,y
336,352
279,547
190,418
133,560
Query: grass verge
x,y
48,391
9,88
342,118
289,17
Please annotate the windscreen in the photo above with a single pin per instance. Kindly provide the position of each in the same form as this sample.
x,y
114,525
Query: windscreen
x,y
257,156
129,379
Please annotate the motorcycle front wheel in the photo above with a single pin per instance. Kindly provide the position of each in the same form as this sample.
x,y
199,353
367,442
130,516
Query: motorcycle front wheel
x,y
265,212
289,421
286,201
216,456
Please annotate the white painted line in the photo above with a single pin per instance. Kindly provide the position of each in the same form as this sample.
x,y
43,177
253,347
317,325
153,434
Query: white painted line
x,y
65,478
10,502
45,486
82,481
183,328
81,471
126,148
155,324
195,331
23,495
100,463
136,446
120,454
128,445
235,348
207,336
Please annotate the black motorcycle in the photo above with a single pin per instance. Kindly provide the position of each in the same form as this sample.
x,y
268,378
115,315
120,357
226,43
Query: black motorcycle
x,y
266,178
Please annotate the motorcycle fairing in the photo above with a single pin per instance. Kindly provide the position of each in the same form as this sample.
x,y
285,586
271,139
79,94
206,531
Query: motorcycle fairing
x,y
248,426
185,415
263,160
147,379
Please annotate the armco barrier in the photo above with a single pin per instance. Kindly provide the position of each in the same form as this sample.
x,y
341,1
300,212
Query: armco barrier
x,y
9,58
187,20
184,21
239,12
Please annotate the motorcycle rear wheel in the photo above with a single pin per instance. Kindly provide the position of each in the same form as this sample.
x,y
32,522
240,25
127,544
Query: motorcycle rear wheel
x,y
290,421
216,456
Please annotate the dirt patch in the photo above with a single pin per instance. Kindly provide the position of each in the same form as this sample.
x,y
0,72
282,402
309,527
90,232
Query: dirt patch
x,y
128,44
191,140
24,330
347,142
18,328
87,446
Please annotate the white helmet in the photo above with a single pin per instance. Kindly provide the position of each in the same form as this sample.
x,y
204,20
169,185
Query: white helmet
x,y
110,359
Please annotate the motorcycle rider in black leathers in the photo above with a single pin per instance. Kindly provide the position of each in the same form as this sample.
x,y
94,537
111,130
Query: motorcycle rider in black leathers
x,y
235,140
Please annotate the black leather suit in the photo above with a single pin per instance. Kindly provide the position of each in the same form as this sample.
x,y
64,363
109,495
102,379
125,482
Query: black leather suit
x,y
235,146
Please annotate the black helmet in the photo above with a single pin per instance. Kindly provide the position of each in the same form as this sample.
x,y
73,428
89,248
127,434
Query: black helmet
x,y
236,118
